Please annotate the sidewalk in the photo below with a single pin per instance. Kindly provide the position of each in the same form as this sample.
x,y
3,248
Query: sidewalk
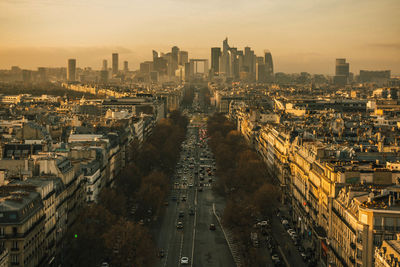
x,y
305,240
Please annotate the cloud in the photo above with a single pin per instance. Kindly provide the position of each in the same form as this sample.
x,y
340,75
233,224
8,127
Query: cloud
x,y
393,46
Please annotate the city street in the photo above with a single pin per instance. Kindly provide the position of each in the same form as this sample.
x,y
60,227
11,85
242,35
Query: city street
x,y
202,246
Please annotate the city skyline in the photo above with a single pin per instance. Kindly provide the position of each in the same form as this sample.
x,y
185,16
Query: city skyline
x,y
302,35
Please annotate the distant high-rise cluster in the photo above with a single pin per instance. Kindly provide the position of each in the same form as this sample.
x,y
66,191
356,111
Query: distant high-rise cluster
x,y
238,64
164,66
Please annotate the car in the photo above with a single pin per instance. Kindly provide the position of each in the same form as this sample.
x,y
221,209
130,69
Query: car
x,y
191,212
200,189
183,198
190,185
291,232
210,180
161,253
303,255
275,257
105,264
179,225
184,260
212,227
181,214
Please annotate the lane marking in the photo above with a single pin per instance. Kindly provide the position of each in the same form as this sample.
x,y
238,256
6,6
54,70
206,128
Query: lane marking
x,y
283,256
194,228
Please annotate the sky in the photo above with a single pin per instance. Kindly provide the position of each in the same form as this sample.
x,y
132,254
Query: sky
x,y
302,35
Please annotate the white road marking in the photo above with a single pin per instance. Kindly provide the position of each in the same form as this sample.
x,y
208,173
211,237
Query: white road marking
x,y
194,227
180,252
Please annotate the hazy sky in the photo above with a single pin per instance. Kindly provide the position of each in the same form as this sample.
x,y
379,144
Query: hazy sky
x,y
302,35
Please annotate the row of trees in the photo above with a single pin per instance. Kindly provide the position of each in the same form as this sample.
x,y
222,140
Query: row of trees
x,y
104,231
38,89
243,179
188,96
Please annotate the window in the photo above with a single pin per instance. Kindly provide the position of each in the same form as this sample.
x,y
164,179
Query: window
x,y
389,224
378,223
15,230
14,259
359,254
15,245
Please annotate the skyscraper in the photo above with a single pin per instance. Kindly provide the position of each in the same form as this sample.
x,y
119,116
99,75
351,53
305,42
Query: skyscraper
x,y
226,59
71,70
249,62
155,55
174,61
115,63
104,64
183,57
215,58
126,68
342,72
269,65
175,53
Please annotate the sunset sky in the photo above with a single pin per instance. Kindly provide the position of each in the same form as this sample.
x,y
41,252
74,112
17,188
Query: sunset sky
x,y
302,35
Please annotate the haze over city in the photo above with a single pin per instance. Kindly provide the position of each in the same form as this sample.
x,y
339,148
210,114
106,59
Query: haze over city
x,y
302,35
177,133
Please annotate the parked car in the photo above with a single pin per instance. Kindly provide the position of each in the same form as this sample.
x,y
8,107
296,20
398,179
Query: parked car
x,y
212,227
179,225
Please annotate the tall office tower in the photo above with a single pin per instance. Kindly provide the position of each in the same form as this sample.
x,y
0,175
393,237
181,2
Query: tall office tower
x,y
187,71
175,53
249,60
161,66
174,60
126,66
342,72
226,59
183,57
71,71
259,60
104,64
269,65
261,74
225,45
146,67
215,58
115,63
155,55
